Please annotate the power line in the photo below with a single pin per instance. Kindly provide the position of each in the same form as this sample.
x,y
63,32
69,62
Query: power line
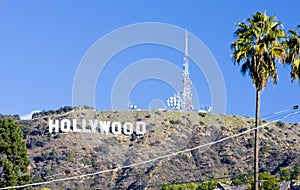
x,y
295,107
154,159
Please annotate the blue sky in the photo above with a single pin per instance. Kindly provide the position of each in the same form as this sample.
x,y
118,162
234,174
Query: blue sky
x,y
42,43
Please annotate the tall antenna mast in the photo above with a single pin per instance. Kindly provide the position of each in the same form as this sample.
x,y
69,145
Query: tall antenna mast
x,y
186,55
186,88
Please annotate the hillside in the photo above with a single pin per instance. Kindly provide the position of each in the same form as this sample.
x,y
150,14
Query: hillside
x,y
61,155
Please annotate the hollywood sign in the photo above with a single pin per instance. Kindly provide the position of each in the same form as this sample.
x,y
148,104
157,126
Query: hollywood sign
x,y
93,126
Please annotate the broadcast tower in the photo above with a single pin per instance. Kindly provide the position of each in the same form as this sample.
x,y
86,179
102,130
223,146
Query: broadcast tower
x,y
186,88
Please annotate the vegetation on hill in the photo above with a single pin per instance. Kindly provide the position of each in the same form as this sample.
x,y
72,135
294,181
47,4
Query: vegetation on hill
x,y
13,154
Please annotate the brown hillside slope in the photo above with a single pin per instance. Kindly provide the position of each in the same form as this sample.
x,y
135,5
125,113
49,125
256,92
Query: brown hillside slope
x,y
61,155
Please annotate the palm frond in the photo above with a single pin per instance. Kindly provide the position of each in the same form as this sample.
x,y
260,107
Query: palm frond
x,y
245,67
293,52
259,44
295,73
292,32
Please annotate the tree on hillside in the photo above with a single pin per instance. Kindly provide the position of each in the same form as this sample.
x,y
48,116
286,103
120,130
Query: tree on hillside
x,y
258,46
268,181
296,172
13,154
206,185
285,174
293,52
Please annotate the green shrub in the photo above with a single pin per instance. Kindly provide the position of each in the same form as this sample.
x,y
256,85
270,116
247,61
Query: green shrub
x,y
295,173
265,149
202,114
268,182
174,122
188,186
285,174
280,124
70,157
271,184
208,185
240,180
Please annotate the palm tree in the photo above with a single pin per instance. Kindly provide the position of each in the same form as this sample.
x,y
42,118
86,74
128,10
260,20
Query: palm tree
x,y
293,52
258,47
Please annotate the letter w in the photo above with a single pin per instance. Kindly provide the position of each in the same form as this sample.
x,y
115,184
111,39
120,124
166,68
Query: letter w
x,y
104,127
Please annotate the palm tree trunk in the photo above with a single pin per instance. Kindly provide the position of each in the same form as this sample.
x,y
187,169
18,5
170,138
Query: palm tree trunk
x,y
256,146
